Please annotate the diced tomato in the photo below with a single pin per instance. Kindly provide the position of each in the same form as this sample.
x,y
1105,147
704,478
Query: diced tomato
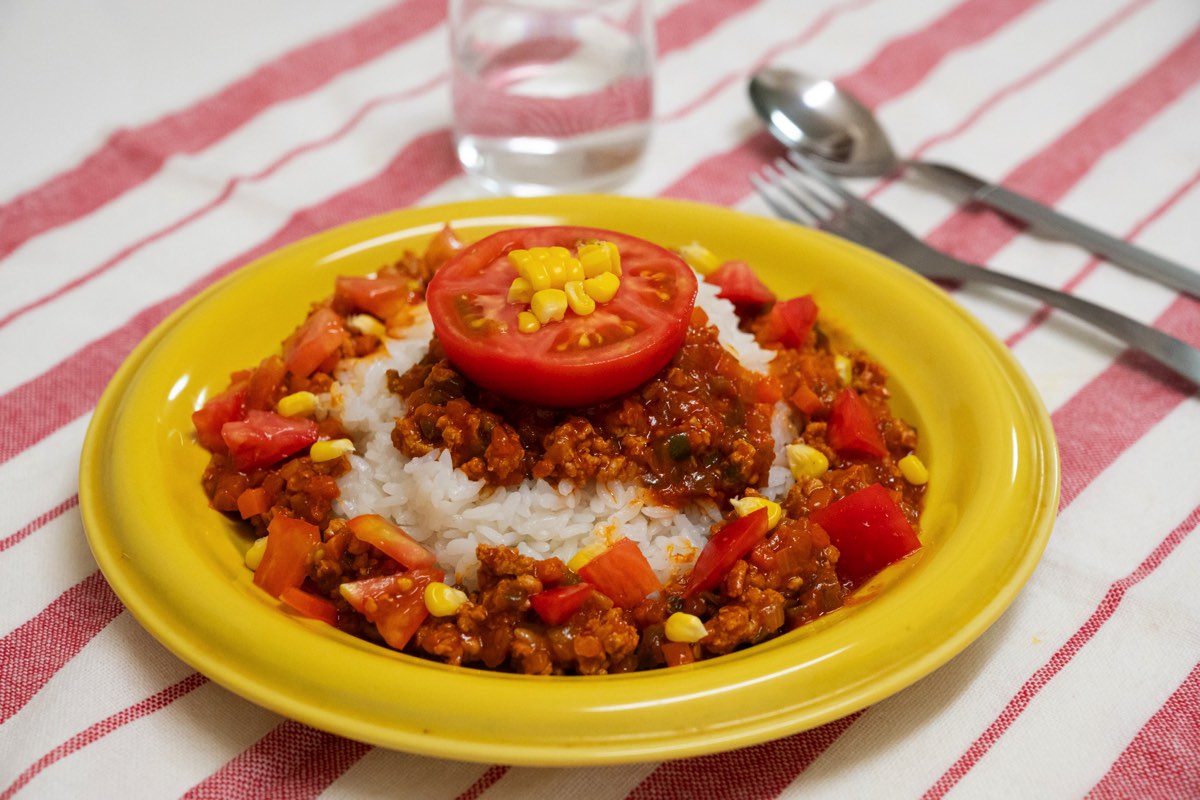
x,y
228,406
805,399
723,550
285,562
677,653
310,605
321,335
264,438
395,603
768,390
622,573
391,539
264,383
442,247
382,296
555,606
790,321
253,502
870,531
740,286
581,359
852,428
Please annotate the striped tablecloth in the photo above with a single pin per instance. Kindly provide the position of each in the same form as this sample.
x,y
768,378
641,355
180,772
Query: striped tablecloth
x,y
150,148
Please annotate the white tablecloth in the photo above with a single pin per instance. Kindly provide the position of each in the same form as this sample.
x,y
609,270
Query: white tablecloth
x,y
149,148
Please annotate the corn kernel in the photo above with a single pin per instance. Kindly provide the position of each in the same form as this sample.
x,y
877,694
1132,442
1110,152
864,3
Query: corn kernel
x,y
297,403
805,461
585,555
549,305
535,272
603,287
599,257
527,322
744,506
578,299
255,554
520,258
913,470
699,258
520,291
683,627
329,449
442,600
844,368
365,323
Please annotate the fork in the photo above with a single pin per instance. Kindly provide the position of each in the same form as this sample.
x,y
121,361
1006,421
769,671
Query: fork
x,y
800,192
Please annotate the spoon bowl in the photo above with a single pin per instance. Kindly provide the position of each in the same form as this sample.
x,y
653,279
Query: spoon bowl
x,y
815,117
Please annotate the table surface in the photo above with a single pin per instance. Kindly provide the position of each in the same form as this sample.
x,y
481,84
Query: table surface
x,y
151,147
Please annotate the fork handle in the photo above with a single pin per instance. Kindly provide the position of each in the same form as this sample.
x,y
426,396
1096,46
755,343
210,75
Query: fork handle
x,y
1042,217
1174,353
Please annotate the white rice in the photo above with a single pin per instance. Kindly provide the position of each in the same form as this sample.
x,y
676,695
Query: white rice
x,y
451,514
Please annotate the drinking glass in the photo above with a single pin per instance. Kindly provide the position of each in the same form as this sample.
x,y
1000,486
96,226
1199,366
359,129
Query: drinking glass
x,y
551,95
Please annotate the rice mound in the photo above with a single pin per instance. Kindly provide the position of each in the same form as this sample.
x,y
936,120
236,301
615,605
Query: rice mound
x,y
452,514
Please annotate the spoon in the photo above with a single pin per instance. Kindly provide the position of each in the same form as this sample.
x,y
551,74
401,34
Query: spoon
x,y
841,136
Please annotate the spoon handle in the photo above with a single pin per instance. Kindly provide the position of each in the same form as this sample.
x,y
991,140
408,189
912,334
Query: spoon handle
x,y
1050,221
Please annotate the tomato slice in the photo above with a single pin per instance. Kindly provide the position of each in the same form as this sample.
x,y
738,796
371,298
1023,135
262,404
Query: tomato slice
x,y
869,530
852,428
228,406
723,550
740,286
391,539
555,606
264,438
319,337
580,360
622,573
285,561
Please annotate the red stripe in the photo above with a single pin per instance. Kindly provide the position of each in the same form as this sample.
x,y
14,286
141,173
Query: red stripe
x,y
71,388
32,653
131,156
221,198
292,762
1163,761
1043,313
753,773
485,782
897,68
689,22
101,729
1063,656
39,521
1056,168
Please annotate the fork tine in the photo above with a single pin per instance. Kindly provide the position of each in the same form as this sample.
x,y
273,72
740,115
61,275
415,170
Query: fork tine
x,y
821,178
770,188
800,188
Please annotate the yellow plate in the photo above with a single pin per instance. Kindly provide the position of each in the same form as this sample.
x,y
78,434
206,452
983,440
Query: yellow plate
x,y
177,565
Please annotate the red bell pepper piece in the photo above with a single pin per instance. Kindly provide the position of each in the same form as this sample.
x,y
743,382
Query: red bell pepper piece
x,y
556,606
622,573
852,429
869,530
285,561
723,550
381,296
677,654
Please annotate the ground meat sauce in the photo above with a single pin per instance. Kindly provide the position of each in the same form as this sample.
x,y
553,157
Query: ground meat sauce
x,y
700,429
